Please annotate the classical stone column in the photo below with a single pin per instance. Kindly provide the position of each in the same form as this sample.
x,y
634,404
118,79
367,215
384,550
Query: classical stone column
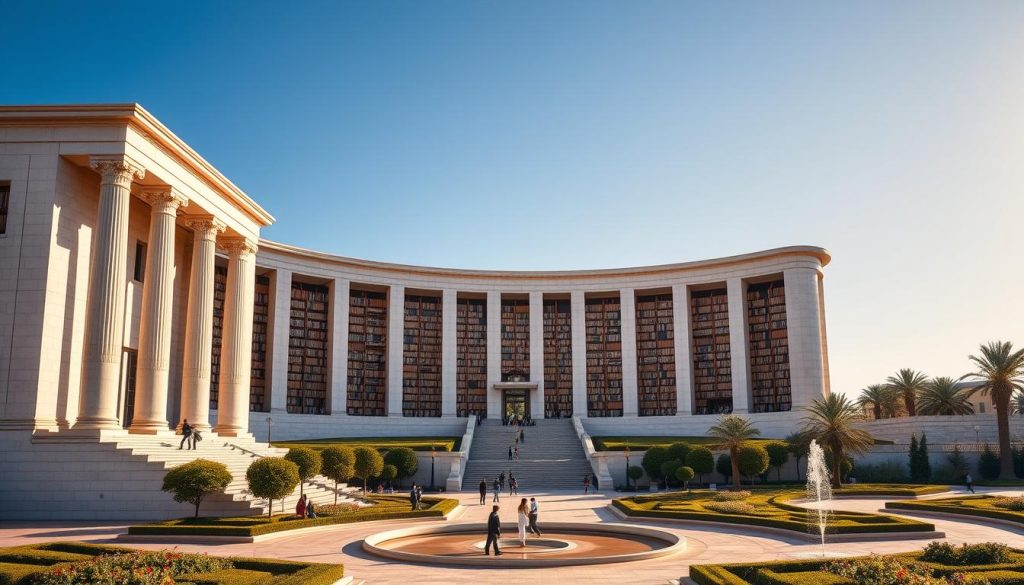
x,y
537,352
737,291
155,323
236,339
681,343
493,354
280,328
340,292
396,346
449,351
804,324
104,329
579,353
195,374
627,318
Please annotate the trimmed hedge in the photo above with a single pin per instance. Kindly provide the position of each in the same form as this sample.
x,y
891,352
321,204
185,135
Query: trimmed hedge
x,y
766,508
982,506
247,571
380,443
808,572
889,489
386,508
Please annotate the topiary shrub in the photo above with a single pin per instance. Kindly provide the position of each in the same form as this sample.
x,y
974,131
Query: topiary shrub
x,y
308,462
778,455
634,473
701,460
388,472
988,464
743,508
404,461
191,482
668,471
272,478
684,474
653,459
368,464
679,450
338,464
983,553
752,459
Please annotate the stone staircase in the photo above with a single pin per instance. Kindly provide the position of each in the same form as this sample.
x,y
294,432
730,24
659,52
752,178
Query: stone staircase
x,y
551,457
162,453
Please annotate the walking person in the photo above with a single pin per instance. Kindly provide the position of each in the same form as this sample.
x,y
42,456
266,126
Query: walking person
x,y
186,436
534,511
970,482
483,492
501,480
493,532
300,507
310,511
515,454
414,497
586,483
497,491
523,513
513,485
510,452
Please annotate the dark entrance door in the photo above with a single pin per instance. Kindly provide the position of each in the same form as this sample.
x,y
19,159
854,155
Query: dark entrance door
x,y
516,402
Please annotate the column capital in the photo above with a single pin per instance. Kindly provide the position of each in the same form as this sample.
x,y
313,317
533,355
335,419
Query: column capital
x,y
164,199
117,168
237,246
205,225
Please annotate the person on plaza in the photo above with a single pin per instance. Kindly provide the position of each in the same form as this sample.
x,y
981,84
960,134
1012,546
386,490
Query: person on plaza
x,y
534,511
483,492
513,487
510,452
515,454
414,497
300,507
969,481
523,517
501,480
310,512
497,491
586,483
186,436
493,532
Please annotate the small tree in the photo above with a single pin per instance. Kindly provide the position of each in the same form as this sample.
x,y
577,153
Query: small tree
x,y
191,482
957,462
404,460
988,464
778,455
308,462
753,460
634,473
388,472
368,464
654,457
915,459
272,478
701,460
724,466
678,451
339,465
668,470
684,474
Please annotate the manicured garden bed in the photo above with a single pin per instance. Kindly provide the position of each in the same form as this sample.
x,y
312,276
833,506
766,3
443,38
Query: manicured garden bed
x,y
24,565
384,508
1000,508
768,508
379,443
618,443
813,572
896,490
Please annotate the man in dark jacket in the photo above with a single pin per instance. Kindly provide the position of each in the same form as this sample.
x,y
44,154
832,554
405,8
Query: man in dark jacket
x,y
186,436
483,492
414,497
493,532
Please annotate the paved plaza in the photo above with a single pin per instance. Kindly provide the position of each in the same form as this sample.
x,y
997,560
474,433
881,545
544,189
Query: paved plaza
x,y
706,544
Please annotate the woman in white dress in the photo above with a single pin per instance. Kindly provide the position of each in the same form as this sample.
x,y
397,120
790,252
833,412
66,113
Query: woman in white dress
x,y
524,519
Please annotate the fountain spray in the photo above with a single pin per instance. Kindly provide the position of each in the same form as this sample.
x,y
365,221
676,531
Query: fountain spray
x,y
819,491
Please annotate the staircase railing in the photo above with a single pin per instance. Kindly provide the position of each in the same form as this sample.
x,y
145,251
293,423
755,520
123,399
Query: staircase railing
x,y
458,465
598,463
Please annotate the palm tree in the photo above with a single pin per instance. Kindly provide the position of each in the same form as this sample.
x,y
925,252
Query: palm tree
x,y
943,396
881,398
731,432
832,421
908,383
1001,372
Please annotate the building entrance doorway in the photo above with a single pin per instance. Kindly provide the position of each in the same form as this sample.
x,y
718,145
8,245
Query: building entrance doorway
x,y
516,403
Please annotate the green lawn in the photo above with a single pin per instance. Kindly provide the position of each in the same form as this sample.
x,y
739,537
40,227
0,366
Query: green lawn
x,y
768,508
384,508
1011,509
380,443
810,572
24,564
618,443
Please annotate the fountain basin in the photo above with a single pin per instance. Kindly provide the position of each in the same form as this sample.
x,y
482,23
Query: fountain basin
x,y
562,544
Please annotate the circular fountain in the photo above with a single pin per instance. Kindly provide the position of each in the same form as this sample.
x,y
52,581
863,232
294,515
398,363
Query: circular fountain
x,y
563,544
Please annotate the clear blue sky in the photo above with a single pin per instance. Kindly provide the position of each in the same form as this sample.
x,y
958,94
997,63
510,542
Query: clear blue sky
x,y
541,135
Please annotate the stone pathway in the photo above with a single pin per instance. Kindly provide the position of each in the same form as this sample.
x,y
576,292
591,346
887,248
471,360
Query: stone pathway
x,y
706,544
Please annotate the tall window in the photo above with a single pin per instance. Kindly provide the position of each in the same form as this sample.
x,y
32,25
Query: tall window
x,y
5,199
140,261
131,362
